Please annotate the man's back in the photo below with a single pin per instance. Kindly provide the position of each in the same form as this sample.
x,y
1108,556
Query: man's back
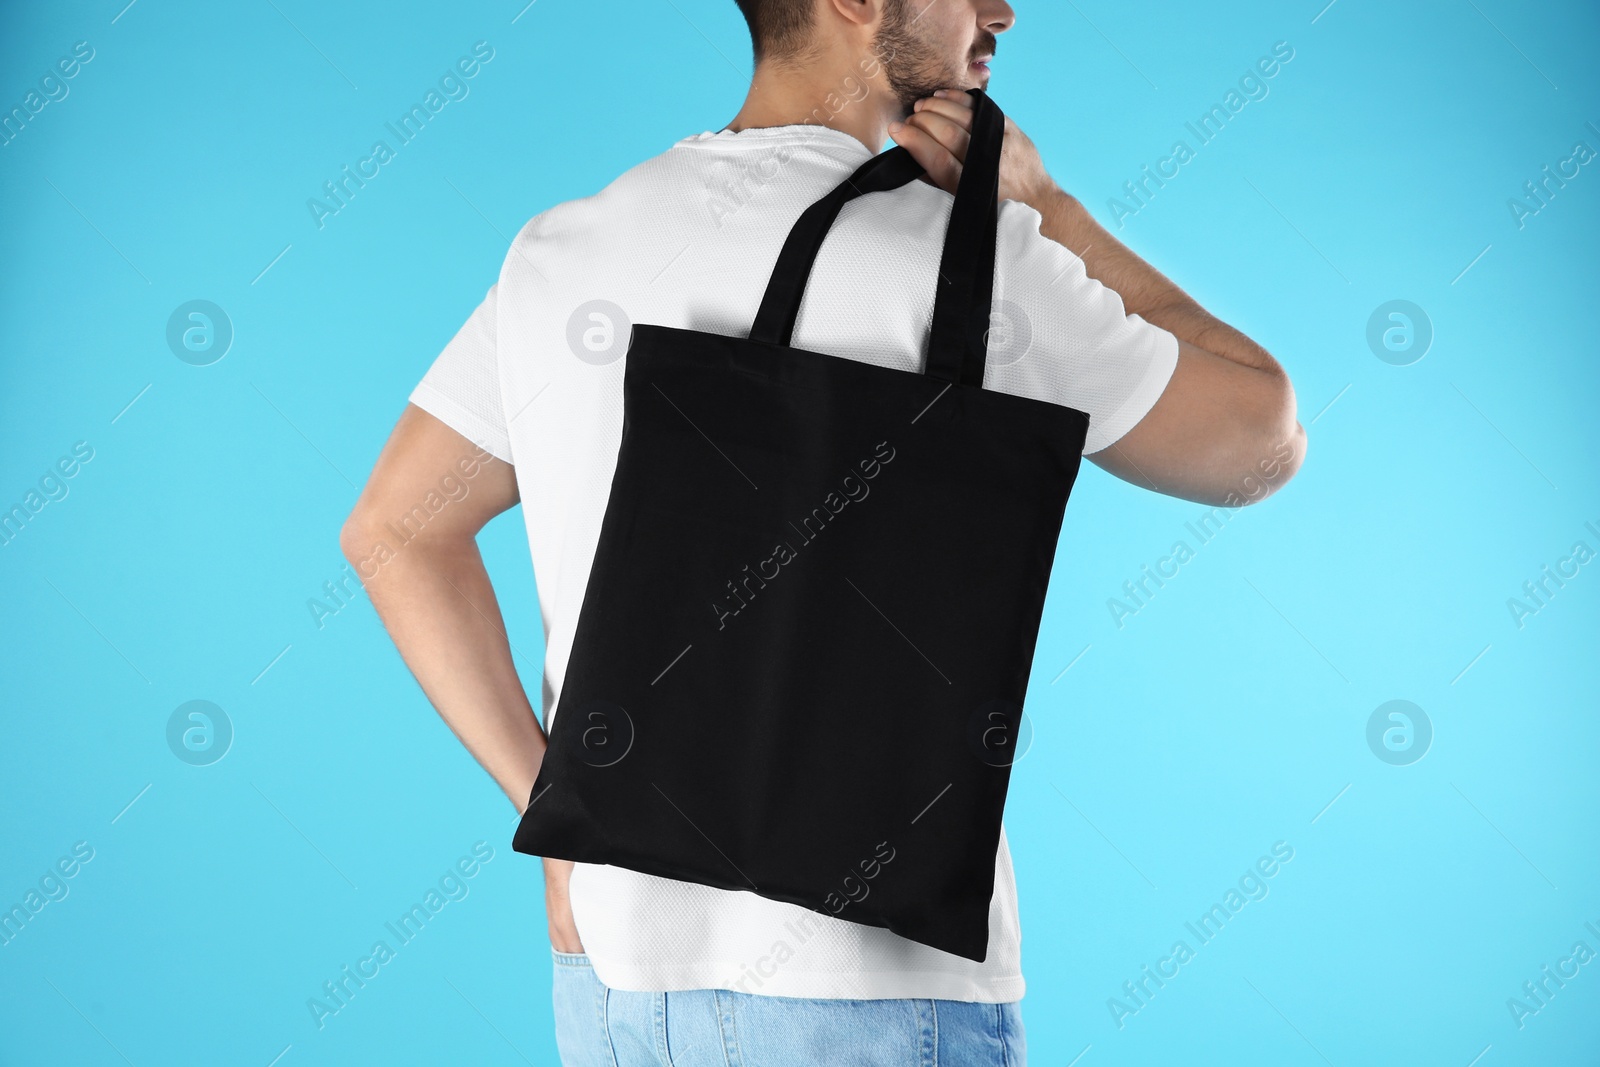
x,y
688,239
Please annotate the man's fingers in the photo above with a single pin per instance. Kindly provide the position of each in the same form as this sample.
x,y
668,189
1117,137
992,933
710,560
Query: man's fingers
x,y
959,97
944,170
955,110
947,131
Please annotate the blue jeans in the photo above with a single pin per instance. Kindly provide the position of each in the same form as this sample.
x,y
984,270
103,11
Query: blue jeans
x,y
597,1026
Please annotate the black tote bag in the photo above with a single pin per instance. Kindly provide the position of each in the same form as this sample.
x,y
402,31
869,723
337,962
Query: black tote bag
x,y
801,658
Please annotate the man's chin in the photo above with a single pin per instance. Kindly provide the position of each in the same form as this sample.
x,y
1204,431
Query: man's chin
x,y
970,80
909,102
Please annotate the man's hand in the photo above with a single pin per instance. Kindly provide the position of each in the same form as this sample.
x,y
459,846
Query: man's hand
x,y
937,134
1228,414
558,907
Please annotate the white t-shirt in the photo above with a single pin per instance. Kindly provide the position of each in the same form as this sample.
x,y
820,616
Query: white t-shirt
x,y
688,239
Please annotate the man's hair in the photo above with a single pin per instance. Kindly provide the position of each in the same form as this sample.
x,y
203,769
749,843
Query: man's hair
x,y
780,30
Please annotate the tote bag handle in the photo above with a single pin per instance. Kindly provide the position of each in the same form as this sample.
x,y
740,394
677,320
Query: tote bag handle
x,y
957,347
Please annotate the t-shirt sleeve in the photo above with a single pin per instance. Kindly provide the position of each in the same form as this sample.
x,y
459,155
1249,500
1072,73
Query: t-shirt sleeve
x,y
1069,337
462,387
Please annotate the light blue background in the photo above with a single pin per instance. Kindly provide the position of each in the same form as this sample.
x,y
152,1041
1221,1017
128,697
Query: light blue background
x,y
1228,714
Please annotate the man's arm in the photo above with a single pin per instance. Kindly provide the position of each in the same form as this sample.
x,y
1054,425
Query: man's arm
x,y
433,593
1224,431
435,599
1145,291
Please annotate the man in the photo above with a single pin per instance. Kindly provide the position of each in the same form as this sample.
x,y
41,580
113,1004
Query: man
x,y
656,971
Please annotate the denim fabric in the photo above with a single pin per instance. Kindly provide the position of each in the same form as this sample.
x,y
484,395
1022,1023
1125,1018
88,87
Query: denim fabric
x,y
601,1027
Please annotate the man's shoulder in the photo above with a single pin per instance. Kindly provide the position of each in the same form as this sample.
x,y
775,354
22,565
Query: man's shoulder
x,y
612,209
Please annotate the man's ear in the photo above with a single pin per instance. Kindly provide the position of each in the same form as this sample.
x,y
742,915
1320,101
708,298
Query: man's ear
x,y
856,12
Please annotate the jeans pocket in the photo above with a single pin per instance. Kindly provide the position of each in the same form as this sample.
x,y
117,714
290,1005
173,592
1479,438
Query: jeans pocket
x,y
774,1031
578,1000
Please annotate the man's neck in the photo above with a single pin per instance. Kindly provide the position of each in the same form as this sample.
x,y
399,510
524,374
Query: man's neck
x,y
841,98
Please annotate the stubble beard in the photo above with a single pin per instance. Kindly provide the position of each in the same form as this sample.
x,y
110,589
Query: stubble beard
x,y
914,67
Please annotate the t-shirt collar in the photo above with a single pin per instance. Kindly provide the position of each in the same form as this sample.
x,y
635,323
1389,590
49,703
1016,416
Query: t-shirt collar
x,y
796,132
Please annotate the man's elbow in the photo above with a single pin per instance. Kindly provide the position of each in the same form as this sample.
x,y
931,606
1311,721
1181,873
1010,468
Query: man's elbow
x,y
364,528
1280,450
375,531
355,540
